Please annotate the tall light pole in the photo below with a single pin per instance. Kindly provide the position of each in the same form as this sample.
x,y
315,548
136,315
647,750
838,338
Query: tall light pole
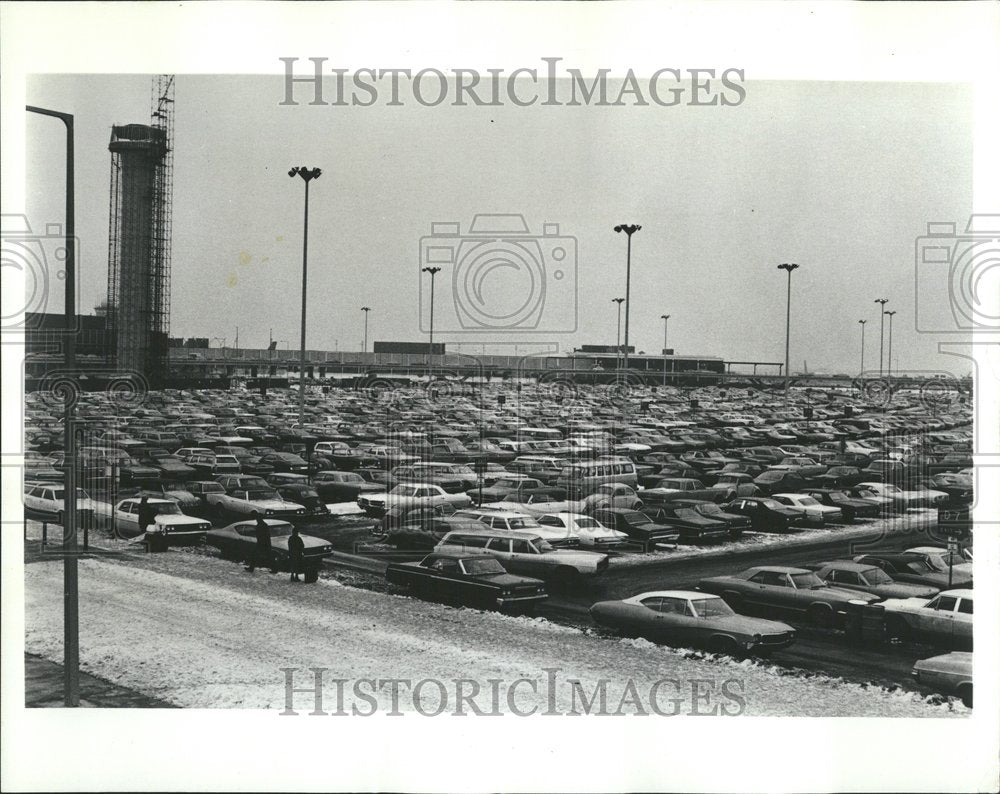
x,y
629,230
788,321
881,331
366,309
307,174
71,599
862,323
618,339
665,318
430,348
889,369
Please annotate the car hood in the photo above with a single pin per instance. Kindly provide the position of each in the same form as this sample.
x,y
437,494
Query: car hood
x,y
901,590
178,521
508,579
275,504
572,555
748,624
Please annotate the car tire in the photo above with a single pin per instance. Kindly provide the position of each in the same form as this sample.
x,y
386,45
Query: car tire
x,y
820,615
898,628
965,692
727,646
565,575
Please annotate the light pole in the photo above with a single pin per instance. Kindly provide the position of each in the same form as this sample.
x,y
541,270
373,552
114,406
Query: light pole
x,y
307,174
366,309
889,362
665,318
618,338
71,600
430,348
788,321
629,230
862,323
881,331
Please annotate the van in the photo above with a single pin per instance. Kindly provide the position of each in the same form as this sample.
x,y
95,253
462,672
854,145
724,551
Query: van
x,y
581,478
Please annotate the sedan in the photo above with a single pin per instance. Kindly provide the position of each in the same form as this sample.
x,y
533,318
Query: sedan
x,y
766,515
590,531
678,617
852,509
811,510
944,620
869,579
949,674
238,541
913,569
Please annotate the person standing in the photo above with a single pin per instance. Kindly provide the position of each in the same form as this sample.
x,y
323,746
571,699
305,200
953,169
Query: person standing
x,y
295,549
146,515
262,548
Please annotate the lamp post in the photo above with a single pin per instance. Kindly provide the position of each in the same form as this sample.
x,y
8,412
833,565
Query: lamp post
x,y
629,230
881,331
889,362
618,338
307,174
788,321
862,323
430,348
665,318
71,600
366,309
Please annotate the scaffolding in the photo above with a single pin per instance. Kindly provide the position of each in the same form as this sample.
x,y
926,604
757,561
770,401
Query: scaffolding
x,y
139,234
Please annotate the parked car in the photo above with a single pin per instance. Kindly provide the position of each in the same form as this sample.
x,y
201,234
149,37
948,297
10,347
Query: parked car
x,y
170,526
556,536
238,541
335,487
940,559
507,484
525,552
908,499
211,465
868,578
735,523
787,589
424,532
408,495
612,494
911,568
46,500
765,514
949,674
779,481
810,509
589,531
694,527
639,527
285,462
944,620
474,580
305,495
262,501
840,477
538,501
170,467
678,617
852,509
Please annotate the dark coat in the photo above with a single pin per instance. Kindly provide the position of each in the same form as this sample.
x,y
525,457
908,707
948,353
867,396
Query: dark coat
x,y
147,515
263,536
295,547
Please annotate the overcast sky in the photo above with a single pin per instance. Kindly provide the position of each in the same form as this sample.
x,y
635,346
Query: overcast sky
x,y
838,177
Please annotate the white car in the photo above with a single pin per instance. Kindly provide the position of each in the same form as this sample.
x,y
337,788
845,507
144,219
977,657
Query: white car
x,y
169,522
950,674
260,500
186,452
943,620
406,496
536,503
925,497
590,531
938,558
809,507
47,499
612,494
510,521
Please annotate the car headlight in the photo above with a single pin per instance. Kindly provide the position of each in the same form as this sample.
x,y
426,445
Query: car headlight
x,y
269,512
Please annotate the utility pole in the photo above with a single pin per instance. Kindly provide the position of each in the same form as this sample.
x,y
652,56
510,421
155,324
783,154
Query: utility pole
x,y
618,338
307,176
788,322
862,322
366,309
881,331
665,318
430,351
629,230
889,357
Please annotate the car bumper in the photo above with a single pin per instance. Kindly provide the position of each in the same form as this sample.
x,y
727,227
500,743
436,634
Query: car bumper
x,y
772,641
504,601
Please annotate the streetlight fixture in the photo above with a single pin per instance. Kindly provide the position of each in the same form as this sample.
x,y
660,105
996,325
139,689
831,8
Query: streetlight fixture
x,y
889,362
618,338
307,174
629,230
788,321
366,309
665,318
71,601
863,323
881,331
430,348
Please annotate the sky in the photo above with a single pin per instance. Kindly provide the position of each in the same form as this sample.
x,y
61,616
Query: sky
x,y
839,178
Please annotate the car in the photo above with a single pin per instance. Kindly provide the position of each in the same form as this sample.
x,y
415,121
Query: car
x,y
474,580
908,499
945,619
588,530
694,527
46,501
424,532
241,481
453,477
170,526
703,620
538,501
612,494
786,589
959,487
558,536
170,467
735,523
336,487
779,481
408,495
840,477
639,527
134,473
811,510
853,509
507,484
525,552
940,559
185,453
765,514
211,465
911,568
276,478
239,541
884,504
868,578
949,674
262,501
285,462
305,495
201,490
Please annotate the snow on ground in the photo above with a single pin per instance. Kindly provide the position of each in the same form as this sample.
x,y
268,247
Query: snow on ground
x,y
201,632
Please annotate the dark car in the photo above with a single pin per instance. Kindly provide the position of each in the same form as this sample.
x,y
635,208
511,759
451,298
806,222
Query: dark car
x,y
735,523
779,481
201,489
867,578
305,495
170,466
766,515
911,568
249,463
693,526
797,590
238,541
840,477
335,487
678,617
851,508
504,486
424,532
959,487
638,526
285,462
478,581
132,472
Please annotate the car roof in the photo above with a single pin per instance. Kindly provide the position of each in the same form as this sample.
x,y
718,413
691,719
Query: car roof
x,y
776,569
151,500
847,565
686,594
506,533
961,593
271,522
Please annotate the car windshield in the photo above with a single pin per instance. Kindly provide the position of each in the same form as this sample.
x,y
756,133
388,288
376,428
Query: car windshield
x,y
280,531
638,519
170,509
211,487
807,500
877,576
262,493
711,608
807,581
939,562
483,567
542,545
587,523
919,566
770,503
523,523
838,495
